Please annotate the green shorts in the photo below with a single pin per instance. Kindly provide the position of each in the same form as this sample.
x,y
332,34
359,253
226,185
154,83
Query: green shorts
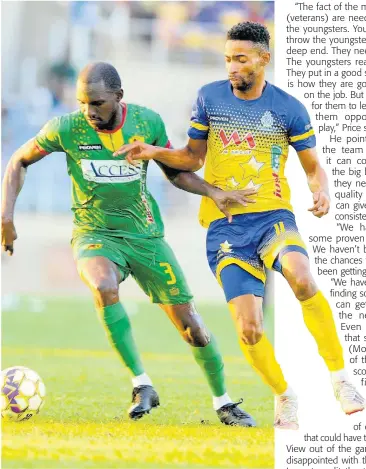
x,y
151,262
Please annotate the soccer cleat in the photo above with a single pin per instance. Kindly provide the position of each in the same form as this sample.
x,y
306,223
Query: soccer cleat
x,y
231,414
144,398
350,399
286,413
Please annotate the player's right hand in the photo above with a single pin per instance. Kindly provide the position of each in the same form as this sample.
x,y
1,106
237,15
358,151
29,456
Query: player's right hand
x,y
137,151
223,199
8,236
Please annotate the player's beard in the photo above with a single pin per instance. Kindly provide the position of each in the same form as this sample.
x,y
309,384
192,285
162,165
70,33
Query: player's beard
x,y
111,124
245,84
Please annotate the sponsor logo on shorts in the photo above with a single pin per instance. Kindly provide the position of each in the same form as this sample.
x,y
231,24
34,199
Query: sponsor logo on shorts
x,y
226,247
224,251
110,171
174,291
95,146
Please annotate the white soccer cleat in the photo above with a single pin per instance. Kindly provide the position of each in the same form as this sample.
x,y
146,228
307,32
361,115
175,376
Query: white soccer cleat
x,y
350,399
286,413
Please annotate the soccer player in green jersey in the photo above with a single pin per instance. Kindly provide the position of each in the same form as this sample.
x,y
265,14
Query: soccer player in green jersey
x,y
118,229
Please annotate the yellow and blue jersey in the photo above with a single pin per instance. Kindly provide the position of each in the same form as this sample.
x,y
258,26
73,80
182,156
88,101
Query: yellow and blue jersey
x,y
248,143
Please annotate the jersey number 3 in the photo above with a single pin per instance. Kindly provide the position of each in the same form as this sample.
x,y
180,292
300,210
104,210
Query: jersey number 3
x,y
168,270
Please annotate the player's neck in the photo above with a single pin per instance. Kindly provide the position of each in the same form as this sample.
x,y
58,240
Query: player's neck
x,y
117,119
115,123
254,92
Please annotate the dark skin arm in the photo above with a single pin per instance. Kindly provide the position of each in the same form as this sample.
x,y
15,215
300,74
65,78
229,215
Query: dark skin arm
x,y
184,161
317,181
12,185
191,182
189,158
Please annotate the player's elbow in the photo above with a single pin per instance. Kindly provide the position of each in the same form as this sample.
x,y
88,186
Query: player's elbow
x,y
197,165
175,180
196,159
180,179
16,162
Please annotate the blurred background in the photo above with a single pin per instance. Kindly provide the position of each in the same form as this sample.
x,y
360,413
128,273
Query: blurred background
x,y
164,51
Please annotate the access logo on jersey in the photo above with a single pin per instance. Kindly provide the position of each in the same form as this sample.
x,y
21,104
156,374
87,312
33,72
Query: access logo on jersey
x,y
110,171
96,146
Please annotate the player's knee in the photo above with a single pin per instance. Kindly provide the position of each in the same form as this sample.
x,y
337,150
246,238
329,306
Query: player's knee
x,y
251,333
105,291
200,337
304,286
196,335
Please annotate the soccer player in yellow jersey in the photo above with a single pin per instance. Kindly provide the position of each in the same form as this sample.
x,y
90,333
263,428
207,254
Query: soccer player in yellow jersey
x,y
242,128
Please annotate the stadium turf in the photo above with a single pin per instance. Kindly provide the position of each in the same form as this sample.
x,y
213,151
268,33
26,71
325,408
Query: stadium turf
x,y
84,422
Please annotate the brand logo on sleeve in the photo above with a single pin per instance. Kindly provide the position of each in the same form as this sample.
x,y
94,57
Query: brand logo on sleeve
x,y
110,171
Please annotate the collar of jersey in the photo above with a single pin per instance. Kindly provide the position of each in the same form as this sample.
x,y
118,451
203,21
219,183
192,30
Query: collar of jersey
x,y
123,119
250,101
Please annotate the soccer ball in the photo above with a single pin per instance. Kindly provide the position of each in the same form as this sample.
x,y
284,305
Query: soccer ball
x,y
22,393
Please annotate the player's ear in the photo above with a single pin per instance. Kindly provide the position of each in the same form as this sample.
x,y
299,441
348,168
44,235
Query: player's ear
x,y
265,58
119,95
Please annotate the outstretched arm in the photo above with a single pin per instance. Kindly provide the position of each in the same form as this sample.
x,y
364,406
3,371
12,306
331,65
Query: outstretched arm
x,y
191,182
189,158
317,181
13,181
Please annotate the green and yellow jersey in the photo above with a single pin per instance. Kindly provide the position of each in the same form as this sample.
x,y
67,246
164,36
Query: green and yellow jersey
x,y
109,195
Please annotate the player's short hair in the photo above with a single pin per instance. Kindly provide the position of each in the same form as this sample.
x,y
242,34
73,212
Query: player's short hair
x,y
249,31
102,71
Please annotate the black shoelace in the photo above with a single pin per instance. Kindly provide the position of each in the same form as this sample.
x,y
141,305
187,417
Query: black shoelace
x,y
236,411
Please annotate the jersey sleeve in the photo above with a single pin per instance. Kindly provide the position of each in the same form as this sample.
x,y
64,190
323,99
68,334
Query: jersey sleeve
x,y
48,138
199,121
161,137
300,131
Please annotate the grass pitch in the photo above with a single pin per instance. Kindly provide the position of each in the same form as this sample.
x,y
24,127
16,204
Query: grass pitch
x,y
84,422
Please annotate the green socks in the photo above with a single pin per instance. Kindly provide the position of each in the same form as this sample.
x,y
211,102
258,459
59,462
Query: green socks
x,y
212,365
119,332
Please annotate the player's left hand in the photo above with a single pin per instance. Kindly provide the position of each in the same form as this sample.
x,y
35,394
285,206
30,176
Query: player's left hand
x,y
222,199
8,236
321,204
137,151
